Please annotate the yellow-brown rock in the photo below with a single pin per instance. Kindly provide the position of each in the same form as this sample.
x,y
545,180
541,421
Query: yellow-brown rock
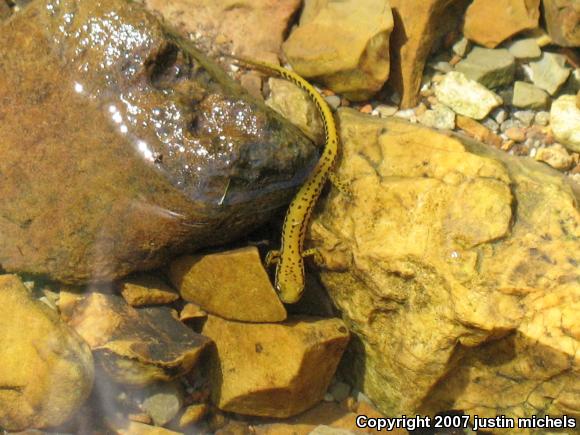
x,y
249,28
296,105
147,289
563,21
136,346
457,267
418,24
232,284
343,44
273,370
46,369
490,23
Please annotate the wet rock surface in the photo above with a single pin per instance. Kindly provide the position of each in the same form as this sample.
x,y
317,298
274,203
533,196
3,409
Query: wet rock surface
x,y
274,370
440,277
135,347
231,284
46,368
344,44
122,144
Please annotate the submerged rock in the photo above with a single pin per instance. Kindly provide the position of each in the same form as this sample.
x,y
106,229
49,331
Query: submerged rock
x,y
490,23
46,369
135,346
344,44
491,68
122,145
418,25
528,96
273,370
232,284
447,284
563,21
466,97
565,121
550,72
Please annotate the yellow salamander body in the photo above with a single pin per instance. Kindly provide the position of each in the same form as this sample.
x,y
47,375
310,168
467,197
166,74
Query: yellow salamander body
x,y
290,258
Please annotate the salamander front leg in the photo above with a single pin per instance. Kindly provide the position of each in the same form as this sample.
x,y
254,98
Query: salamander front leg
x,y
272,257
340,184
315,254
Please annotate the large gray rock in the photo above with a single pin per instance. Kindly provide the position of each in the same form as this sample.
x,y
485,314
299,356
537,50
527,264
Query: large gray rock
x,y
528,96
550,72
122,145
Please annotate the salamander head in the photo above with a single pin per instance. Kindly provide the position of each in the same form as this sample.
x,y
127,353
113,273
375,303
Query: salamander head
x,y
290,286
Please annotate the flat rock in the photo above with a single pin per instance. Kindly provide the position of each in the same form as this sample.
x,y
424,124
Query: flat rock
x,y
441,117
449,287
550,72
293,103
232,284
419,24
556,156
490,23
344,44
273,370
250,28
491,68
136,346
137,147
525,49
565,122
563,21
146,289
47,369
528,96
466,97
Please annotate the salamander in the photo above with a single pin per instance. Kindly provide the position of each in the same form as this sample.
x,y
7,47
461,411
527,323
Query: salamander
x,y
289,260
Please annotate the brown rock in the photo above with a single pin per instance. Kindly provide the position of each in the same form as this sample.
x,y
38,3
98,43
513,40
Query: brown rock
x,y
516,134
136,347
273,370
563,21
136,150
490,23
5,11
343,44
147,289
418,25
451,288
232,284
478,131
46,368
248,28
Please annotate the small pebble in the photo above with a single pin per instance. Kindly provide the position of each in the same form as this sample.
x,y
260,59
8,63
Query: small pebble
x,y
542,118
406,114
556,156
509,123
333,101
491,124
385,111
367,108
340,391
328,397
516,134
461,47
500,115
525,116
